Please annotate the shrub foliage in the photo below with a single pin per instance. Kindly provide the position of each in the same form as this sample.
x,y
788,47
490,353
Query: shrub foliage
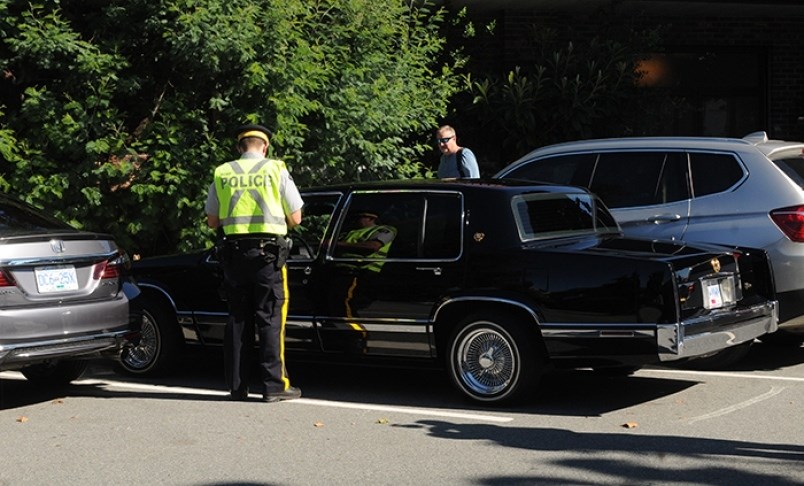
x,y
114,114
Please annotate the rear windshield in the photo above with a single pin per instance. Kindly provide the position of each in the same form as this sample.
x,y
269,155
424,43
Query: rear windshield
x,y
17,218
555,215
793,167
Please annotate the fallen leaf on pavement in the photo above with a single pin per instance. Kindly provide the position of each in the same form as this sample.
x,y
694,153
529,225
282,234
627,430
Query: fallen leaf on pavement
x,y
318,424
22,419
630,425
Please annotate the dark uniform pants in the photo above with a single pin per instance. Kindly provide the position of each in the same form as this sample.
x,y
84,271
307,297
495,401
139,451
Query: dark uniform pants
x,y
257,296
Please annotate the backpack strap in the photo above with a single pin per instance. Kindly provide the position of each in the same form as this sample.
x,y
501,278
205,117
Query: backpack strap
x,y
459,164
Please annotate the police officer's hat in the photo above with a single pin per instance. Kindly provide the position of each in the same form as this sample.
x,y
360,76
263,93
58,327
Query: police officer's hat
x,y
369,213
258,131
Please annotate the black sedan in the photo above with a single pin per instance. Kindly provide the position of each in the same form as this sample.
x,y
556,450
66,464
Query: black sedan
x,y
497,280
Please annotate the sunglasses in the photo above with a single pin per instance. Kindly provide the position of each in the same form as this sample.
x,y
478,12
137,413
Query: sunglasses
x,y
445,139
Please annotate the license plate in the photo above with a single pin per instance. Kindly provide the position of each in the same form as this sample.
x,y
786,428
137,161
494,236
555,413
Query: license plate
x,y
718,292
56,279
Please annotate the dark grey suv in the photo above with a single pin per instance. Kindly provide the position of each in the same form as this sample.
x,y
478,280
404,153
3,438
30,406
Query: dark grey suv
x,y
747,192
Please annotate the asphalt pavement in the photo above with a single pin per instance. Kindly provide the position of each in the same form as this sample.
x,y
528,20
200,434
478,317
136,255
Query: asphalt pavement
x,y
400,426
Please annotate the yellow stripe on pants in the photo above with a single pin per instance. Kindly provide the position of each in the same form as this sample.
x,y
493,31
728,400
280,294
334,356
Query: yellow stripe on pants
x,y
285,305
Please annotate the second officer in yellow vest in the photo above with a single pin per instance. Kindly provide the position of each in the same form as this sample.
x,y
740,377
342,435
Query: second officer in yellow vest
x,y
254,201
368,240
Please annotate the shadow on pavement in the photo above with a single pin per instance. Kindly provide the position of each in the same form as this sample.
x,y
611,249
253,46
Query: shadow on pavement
x,y
564,393
660,459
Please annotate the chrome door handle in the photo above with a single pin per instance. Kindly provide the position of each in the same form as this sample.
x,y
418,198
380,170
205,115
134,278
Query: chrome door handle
x,y
664,218
436,270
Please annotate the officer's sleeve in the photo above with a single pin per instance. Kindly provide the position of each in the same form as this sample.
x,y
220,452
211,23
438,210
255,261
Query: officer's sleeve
x,y
291,198
384,235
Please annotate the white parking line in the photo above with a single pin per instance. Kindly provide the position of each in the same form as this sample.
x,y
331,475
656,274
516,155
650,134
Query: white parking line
x,y
148,388
775,390
738,406
409,410
721,374
301,401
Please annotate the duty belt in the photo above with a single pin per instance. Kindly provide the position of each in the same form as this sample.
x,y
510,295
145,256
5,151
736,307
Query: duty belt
x,y
247,243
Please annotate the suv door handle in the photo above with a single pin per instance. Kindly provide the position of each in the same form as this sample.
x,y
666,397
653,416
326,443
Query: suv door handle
x,y
664,218
436,270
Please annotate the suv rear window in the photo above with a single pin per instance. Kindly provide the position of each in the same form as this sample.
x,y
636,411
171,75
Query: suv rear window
x,y
713,173
793,167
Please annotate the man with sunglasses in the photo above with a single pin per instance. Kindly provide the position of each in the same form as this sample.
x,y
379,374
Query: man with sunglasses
x,y
456,161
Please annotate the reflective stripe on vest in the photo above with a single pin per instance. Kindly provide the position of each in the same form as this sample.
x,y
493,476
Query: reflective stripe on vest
x,y
248,196
364,234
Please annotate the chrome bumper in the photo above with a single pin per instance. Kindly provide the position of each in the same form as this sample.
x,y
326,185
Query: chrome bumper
x,y
677,341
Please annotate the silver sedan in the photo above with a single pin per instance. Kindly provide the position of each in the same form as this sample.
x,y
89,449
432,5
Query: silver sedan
x,y
64,295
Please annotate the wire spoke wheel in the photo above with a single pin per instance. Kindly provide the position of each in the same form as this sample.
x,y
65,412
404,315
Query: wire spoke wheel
x,y
159,344
486,361
492,360
146,351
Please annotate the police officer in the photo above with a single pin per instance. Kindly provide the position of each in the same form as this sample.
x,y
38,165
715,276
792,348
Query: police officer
x,y
367,240
254,201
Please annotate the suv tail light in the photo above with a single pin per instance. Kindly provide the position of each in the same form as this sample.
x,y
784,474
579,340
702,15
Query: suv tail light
x,y
790,221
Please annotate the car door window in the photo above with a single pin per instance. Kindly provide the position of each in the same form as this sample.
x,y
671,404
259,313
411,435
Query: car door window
x,y
394,219
422,225
633,179
572,169
316,216
442,229
713,173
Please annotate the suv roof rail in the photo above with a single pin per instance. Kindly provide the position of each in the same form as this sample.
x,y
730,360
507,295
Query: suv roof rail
x,y
756,137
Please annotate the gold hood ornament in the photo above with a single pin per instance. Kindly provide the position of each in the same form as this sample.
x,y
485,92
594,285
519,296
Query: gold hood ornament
x,y
715,265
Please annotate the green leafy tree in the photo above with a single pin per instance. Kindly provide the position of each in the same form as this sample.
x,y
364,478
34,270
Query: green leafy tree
x,y
114,114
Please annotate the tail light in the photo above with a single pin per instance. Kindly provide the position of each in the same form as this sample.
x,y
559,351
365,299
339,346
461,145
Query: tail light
x,y
6,280
790,221
112,268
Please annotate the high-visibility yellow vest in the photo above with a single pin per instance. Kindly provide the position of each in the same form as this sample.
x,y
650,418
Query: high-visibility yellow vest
x,y
248,197
364,234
